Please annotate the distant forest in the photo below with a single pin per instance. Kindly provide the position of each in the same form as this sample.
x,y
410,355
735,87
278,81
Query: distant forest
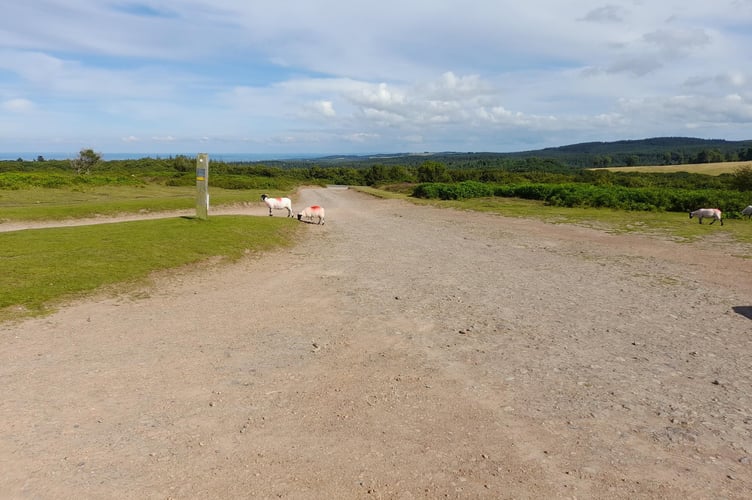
x,y
655,151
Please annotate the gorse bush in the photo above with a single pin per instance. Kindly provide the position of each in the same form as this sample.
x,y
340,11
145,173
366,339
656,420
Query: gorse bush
x,y
70,180
458,191
243,182
22,180
51,180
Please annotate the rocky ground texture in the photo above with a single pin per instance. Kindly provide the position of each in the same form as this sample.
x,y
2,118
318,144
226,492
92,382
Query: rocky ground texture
x,y
397,352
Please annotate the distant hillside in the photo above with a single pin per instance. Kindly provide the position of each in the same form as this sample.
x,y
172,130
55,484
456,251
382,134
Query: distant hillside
x,y
654,151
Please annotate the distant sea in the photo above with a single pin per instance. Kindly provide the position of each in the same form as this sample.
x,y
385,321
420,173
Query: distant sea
x,y
225,157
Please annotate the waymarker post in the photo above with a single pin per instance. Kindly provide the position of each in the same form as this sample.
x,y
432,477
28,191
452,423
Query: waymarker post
x,y
202,186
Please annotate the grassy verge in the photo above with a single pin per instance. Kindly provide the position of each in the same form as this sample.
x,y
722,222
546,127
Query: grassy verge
x,y
48,204
41,267
672,225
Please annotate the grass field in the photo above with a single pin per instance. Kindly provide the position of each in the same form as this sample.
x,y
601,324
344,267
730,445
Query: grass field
x,y
45,266
42,267
698,168
46,204
673,225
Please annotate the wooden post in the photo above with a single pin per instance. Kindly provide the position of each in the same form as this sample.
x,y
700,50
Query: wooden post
x,y
202,186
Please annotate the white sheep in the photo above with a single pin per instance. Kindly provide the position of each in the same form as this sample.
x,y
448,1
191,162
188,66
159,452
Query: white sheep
x,y
748,212
311,212
710,213
278,204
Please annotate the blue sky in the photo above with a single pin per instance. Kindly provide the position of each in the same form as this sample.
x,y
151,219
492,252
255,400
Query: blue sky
x,y
357,77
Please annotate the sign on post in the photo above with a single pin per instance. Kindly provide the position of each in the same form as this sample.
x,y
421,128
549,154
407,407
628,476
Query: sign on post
x,y
202,186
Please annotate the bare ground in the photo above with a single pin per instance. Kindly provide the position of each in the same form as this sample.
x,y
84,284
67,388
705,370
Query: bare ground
x,y
396,352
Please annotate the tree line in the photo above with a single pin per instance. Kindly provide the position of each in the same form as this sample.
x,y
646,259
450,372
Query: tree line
x,y
546,180
180,170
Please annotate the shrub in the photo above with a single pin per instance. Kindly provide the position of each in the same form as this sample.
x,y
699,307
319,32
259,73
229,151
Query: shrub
x,y
586,195
458,191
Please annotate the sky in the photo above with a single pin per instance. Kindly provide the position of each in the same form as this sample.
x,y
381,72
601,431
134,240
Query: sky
x,y
320,77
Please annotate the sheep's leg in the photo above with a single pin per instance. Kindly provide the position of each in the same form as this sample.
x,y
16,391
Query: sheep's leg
x,y
713,222
270,211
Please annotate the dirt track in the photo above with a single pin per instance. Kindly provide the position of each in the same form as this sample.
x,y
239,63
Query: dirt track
x,y
397,352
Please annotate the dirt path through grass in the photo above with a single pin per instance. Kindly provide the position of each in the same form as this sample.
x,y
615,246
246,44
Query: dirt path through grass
x,y
396,352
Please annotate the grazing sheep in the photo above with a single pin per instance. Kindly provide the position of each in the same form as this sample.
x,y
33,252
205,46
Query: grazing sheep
x,y
748,212
710,213
311,212
278,204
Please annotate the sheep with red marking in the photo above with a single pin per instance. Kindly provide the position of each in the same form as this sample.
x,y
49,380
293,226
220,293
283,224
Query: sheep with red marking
x,y
311,212
748,212
278,204
707,213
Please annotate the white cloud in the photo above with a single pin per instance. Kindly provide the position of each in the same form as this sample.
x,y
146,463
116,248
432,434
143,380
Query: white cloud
x,y
70,78
379,97
319,109
18,105
298,75
719,112
720,82
360,137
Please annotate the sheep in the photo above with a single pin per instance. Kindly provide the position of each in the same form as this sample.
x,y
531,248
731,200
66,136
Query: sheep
x,y
748,212
311,212
711,213
278,204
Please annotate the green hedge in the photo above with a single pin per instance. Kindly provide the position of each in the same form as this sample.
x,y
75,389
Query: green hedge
x,y
458,191
587,195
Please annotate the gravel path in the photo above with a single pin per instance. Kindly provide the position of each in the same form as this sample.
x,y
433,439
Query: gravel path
x,y
396,352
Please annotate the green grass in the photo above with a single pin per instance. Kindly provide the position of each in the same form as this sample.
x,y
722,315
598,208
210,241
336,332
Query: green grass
x,y
44,203
673,225
41,267
694,168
